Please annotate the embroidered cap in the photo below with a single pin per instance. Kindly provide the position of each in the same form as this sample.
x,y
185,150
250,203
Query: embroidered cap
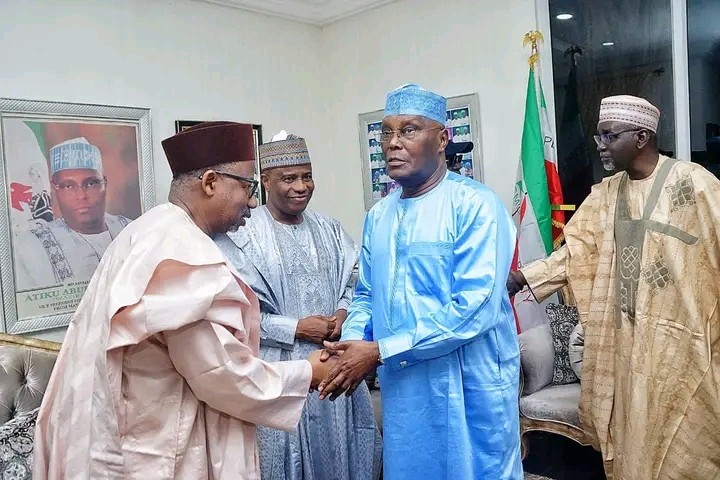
x,y
412,99
207,144
632,110
285,150
73,154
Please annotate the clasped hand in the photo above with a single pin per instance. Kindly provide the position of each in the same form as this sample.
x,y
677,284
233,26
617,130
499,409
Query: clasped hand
x,y
318,328
353,360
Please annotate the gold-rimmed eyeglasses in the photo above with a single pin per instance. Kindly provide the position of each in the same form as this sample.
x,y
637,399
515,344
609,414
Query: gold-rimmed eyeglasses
x,y
253,184
406,133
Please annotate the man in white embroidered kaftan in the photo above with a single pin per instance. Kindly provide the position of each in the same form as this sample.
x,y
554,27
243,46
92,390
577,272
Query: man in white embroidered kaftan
x,y
642,260
299,262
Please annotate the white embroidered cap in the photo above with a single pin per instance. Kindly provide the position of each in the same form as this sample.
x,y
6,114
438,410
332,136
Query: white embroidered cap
x,y
285,150
632,110
75,153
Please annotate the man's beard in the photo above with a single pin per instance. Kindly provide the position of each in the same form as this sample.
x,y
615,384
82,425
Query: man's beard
x,y
608,164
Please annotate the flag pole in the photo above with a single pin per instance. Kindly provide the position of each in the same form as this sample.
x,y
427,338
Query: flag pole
x,y
532,38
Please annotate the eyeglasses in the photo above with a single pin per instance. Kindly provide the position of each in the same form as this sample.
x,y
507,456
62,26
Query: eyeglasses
x,y
608,138
405,133
252,188
91,186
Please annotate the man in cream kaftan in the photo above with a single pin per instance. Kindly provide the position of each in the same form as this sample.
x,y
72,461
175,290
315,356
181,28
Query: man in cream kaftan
x,y
158,376
642,259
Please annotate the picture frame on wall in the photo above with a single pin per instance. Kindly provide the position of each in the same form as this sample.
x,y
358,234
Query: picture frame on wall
x,y
72,177
462,124
181,125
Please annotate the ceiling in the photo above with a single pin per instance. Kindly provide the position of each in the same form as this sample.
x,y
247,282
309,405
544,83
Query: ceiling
x,y
315,12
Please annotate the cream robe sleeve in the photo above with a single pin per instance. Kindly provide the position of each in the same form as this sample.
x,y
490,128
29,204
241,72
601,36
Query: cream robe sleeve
x,y
545,277
549,275
223,373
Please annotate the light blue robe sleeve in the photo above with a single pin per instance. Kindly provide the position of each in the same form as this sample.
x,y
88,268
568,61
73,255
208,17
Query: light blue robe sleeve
x,y
358,325
277,331
483,252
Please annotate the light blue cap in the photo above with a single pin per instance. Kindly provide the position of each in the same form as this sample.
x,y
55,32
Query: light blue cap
x,y
75,153
412,99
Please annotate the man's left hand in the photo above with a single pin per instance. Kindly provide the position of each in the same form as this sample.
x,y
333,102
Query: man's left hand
x,y
356,359
515,282
340,316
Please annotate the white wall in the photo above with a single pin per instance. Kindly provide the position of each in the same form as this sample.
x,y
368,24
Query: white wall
x,y
182,59
454,47
189,60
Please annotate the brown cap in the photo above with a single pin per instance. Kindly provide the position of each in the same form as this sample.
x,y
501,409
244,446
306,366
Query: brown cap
x,y
209,143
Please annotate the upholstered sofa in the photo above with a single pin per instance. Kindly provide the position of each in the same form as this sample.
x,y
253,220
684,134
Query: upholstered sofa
x,y
549,402
25,368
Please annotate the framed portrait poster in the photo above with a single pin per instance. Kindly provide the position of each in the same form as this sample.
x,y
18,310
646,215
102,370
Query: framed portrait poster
x,y
462,125
72,176
181,125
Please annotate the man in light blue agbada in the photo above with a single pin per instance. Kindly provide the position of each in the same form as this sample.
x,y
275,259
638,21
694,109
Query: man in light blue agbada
x,y
431,308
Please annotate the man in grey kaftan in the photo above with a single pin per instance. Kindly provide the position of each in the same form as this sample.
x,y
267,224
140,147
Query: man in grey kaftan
x,y
300,263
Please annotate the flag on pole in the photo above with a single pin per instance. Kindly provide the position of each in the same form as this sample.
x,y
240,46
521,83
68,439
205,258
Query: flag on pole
x,y
537,191
573,157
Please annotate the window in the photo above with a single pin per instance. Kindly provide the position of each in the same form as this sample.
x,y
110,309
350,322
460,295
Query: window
x,y
602,48
703,18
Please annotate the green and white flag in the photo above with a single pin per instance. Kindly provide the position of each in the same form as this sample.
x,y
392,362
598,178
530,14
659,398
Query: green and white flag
x,y
537,190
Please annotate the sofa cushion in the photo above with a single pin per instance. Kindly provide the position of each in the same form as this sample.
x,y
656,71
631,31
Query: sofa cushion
x,y
575,349
558,403
16,446
562,319
536,357
24,375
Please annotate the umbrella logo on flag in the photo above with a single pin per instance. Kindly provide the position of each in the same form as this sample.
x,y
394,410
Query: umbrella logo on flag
x,y
518,195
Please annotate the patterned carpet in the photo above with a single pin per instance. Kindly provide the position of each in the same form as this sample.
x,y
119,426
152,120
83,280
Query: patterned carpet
x,y
532,476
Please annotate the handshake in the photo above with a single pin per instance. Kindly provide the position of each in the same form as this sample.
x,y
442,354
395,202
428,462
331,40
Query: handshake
x,y
515,282
342,366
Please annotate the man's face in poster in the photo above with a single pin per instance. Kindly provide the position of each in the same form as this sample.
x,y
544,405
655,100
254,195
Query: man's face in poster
x,y
80,193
